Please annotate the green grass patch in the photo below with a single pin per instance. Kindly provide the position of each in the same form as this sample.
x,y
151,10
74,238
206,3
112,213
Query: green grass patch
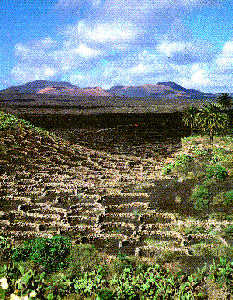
x,y
9,121
200,197
182,164
224,199
167,169
216,171
50,253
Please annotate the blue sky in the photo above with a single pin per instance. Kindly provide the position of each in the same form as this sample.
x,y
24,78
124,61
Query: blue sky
x,y
109,42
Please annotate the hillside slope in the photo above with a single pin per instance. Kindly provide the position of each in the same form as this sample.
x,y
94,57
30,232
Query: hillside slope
x,y
116,202
170,90
25,148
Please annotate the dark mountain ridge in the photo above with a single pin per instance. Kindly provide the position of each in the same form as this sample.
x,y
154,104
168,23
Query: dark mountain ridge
x,y
168,90
37,85
178,87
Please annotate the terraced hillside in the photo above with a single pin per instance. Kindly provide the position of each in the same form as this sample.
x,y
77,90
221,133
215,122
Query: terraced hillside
x,y
38,170
49,187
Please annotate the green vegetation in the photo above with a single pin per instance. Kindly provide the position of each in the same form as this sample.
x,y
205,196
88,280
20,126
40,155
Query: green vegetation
x,y
200,197
217,172
189,116
229,197
123,278
207,183
9,121
167,168
219,155
229,230
222,273
209,165
224,199
224,100
50,253
195,229
209,119
181,164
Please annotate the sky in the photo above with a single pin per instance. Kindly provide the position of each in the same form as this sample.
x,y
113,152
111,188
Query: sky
x,y
118,42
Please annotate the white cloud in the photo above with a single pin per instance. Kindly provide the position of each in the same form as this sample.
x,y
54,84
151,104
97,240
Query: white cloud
x,y
123,40
128,68
171,48
101,32
136,3
22,50
75,3
49,72
87,52
225,59
41,59
24,74
40,46
68,3
185,52
199,75
36,52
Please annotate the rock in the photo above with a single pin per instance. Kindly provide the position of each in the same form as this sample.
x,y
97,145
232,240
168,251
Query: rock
x,y
124,243
74,206
57,200
138,252
99,199
99,219
84,239
21,207
135,233
65,221
41,227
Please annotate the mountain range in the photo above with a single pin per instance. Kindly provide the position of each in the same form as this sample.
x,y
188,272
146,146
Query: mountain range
x,y
61,88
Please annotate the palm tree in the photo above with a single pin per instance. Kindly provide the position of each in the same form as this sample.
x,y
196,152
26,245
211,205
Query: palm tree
x,y
210,119
224,100
189,116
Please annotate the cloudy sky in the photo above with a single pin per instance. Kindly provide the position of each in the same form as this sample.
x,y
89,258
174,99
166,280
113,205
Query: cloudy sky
x,y
109,42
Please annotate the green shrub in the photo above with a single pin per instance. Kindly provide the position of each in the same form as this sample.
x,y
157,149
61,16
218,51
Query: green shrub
x,y
201,153
105,294
82,258
229,230
220,216
190,138
5,249
200,197
200,249
50,253
193,229
219,155
222,273
181,164
167,168
8,121
229,198
224,199
183,158
216,171
208,182
122,262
